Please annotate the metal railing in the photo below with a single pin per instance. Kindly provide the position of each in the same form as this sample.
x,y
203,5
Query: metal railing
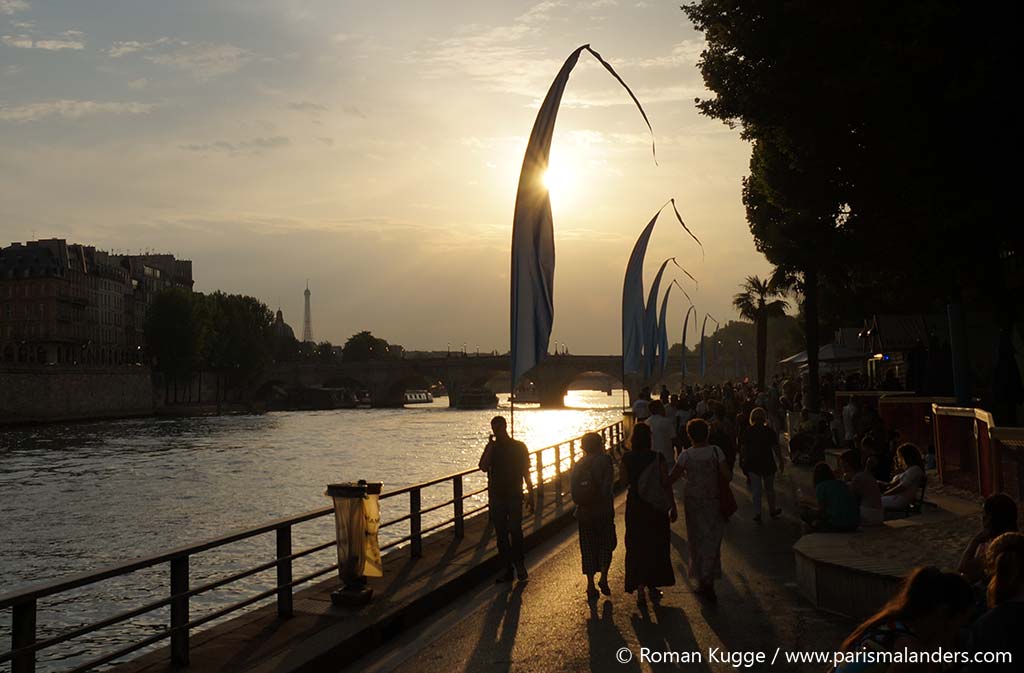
x,y
547,464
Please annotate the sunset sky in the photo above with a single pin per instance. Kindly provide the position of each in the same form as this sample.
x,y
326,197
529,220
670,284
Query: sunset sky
x,y
373,148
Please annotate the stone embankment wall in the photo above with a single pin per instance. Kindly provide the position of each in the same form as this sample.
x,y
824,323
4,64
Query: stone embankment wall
x,y
40,394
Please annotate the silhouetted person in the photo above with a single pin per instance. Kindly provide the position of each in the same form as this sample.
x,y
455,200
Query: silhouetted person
x,y
507,464
760,458
998,630
925,615
593,480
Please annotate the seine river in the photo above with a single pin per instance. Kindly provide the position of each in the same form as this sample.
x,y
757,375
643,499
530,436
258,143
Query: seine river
x,y
82,496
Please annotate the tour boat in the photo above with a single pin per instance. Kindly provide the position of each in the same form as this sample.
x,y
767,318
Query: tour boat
x,y
418,397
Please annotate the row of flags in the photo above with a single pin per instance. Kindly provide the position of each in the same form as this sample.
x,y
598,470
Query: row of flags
x,y
644,327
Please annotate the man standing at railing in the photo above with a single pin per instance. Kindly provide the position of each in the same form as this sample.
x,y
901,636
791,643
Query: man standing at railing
x,y
507,464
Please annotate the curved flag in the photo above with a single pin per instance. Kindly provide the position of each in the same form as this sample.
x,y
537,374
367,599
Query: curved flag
x,y
686,322
703,355
680,218
695,281
662,353
651,323
633,302
532,310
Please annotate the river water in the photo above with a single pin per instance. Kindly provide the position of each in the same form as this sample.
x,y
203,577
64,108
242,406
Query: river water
x,y
78,497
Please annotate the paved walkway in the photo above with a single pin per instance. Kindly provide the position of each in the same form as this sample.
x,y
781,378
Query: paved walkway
x,y
547,624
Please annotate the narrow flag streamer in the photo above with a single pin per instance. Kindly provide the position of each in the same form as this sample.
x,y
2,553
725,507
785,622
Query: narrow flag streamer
x,y
633,302
651,323
703,355
686,322
533,243
662,354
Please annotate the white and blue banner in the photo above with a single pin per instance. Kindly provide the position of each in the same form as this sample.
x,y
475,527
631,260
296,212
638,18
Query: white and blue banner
x,y
532,310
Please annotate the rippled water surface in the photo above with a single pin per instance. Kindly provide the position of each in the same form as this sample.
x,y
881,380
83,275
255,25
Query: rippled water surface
x,y
77,497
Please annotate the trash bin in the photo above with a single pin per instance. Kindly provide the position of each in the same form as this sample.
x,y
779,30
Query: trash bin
x,y
356,524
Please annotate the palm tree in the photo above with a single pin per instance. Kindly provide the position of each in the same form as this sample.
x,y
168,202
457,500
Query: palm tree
x,y
757,303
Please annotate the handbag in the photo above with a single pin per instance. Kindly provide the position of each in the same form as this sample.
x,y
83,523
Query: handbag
x,y
726,500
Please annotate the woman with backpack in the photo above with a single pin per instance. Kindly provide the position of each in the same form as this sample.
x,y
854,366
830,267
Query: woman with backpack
x,y
650,509
592,482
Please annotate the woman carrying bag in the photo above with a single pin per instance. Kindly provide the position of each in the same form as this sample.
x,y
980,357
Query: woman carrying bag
x,y
593,480
650,509
707,503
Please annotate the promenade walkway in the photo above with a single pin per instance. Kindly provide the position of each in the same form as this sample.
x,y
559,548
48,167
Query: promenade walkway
x,y
547,624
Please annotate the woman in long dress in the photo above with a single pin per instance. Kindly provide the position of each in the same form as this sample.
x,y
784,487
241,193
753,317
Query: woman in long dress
x,y
704,466
593,481
648,536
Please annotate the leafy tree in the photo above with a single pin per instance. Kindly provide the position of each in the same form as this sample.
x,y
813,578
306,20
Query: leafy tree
x,y
756,303
175,333
363,347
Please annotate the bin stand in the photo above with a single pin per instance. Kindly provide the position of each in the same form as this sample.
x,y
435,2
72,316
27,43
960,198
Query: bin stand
x,y
351,530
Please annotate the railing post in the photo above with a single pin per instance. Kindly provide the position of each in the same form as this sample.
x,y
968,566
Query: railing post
x,y
460,522
558,473
284,571
540,479
572,453
23,634
415,524
179,611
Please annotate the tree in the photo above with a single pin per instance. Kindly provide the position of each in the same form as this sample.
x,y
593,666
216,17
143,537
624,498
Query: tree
x,y
756,303
363,347
175,333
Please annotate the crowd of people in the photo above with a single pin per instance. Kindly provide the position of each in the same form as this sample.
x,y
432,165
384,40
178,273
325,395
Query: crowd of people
x,y
699,436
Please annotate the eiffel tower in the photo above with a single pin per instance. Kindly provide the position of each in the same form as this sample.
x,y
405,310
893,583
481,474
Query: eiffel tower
x,y
307,320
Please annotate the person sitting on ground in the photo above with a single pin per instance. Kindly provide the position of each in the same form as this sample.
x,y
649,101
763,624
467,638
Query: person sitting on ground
x,y
905,487
927,613
930,458
836,509
876,458
999,515
863,487
999,629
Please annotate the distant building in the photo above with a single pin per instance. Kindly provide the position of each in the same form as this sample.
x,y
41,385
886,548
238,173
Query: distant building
x,y
73,304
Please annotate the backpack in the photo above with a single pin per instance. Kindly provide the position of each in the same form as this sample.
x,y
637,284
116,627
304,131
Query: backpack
x,y
650,488
585,489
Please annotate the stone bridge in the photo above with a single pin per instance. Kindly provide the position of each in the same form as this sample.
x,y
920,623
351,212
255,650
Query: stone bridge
x,y
387,380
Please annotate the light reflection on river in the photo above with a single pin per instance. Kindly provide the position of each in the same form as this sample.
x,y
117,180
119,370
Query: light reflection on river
x,y
78,497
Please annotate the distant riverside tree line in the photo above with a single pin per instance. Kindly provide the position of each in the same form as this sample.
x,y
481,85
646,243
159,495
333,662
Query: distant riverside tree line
x,y
877,183
191,332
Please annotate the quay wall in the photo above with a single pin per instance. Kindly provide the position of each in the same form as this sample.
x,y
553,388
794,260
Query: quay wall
x,y
52,393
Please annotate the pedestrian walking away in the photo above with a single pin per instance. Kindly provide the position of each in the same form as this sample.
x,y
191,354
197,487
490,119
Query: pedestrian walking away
x,y
592,487
507,464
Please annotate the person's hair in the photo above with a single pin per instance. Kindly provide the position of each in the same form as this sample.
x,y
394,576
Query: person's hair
x,y
822,472
926,591
1002,514
698,430
758,416
910,455
852,458
641,437
592,443
657,408
499,421
1005,561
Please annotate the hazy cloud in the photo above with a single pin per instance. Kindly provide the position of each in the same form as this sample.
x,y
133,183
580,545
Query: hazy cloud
x,y
11,6
140,83
204,61
69,39
119,49
70,109
307,106
251,146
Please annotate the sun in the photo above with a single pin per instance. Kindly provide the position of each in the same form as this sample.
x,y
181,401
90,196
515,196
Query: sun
x,y
559,182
